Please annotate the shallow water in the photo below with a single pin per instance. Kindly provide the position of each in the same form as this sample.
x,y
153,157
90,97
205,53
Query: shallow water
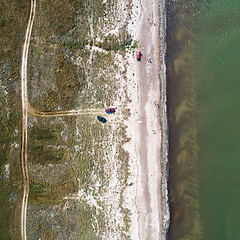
x,y
203,76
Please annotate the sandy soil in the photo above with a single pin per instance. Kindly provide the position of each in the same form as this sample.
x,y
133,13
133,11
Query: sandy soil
x,y
144,197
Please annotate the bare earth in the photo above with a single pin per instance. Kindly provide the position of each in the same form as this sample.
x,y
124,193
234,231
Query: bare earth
x,y
144,125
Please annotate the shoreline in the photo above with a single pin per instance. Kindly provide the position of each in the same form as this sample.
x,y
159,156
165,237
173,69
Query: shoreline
x,y
147,126
164,125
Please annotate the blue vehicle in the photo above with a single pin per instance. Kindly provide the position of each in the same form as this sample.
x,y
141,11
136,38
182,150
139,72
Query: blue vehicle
x,y
101,119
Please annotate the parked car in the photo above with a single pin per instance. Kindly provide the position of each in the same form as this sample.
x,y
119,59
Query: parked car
x,y
110,110
138,54
101,119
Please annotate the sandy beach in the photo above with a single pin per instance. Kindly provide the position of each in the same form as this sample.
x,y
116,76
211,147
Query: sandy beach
x,y
147,125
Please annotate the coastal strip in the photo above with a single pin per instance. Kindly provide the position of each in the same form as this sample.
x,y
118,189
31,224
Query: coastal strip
x,y
147,126
163,119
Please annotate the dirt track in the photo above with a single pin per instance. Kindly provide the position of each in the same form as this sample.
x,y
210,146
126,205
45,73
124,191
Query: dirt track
x,y
24,119
33,112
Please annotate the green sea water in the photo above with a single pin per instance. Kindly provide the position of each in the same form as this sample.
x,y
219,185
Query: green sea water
x,y
203,74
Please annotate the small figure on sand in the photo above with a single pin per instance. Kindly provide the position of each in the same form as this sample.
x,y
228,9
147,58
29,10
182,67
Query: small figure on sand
x,y
149,60
157,105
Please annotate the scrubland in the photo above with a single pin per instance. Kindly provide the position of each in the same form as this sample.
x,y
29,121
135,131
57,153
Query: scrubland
x,y
77,166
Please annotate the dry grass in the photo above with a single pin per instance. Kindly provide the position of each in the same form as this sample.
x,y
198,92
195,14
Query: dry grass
x,y
71,65
13,22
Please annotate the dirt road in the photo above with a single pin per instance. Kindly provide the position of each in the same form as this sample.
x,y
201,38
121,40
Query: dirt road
x,y
73,112
24,119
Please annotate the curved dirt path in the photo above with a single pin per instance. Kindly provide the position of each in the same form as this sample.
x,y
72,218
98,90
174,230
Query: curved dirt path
x,y
24,120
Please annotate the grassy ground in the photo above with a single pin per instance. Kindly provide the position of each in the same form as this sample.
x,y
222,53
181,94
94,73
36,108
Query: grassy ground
x,y
72,161
85,165
13,23
72,61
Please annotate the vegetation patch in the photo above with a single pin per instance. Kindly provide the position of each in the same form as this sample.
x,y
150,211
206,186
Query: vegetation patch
x,y
67,80
90,140
42,192
46,144
13,22
69,220
80,76
10,119
60,15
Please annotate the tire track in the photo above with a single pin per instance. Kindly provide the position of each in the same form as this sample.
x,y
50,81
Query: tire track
x,y
24,119
33,112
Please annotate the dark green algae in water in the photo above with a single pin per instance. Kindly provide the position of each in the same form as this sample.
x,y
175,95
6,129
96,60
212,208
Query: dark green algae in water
x,y
203,94
183,145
